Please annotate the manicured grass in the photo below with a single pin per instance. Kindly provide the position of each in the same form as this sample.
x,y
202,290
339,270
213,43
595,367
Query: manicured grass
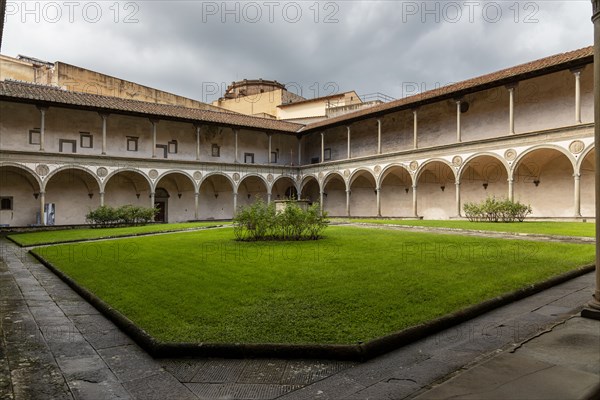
x,y
544,228
355,285
69,235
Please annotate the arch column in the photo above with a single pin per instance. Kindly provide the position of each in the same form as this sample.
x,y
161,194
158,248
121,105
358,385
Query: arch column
x,y
152,199
511,109
235,202
197,142
349,149
458,210
415,129
154,122
378,201
458,122
42,203
322,147
577,74
101,199
348,193
415,201
42,126
197,204
577,194
379,136
511,189
269,195
104,122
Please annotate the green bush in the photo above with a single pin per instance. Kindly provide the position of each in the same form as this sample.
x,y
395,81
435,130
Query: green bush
x,y
260,221
106,216
493,210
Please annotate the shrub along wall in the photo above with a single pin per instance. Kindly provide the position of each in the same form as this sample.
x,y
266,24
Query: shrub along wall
x,y
492,210
260,221
106,216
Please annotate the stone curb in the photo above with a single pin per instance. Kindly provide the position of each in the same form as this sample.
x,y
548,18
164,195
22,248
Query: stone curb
x,y
357,352
115,237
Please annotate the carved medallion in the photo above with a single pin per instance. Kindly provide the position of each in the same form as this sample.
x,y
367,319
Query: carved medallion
x,y
153,174
510,154
197,175
321,175
102,172
298,178
576,147
377,169
42,170
270,178
346,173
414,165
457,161
236,177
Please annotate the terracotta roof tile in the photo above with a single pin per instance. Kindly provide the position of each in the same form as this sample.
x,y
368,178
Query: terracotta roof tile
x,y
51,95
502,77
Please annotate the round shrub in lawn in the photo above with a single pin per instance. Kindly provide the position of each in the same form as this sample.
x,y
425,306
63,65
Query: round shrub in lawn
x,y
260,221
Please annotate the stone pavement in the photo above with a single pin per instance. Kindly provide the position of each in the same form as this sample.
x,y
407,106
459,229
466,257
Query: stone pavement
x,y
53,345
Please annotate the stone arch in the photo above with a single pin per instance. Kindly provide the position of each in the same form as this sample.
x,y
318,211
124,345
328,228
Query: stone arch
x,y
310,189
559,149
128,186
24,186
284,187
363,193
73,167
180,172
180,205
436,190
543,178
251,188
74,191
587,181
334,194
395,183
216,193
481,176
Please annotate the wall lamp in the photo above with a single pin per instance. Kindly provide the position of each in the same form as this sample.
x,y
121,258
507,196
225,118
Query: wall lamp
x,y
443,188
324,194
36,195
249,195
90,195
485,186
137,195
179,195
216,195
536,182
406,190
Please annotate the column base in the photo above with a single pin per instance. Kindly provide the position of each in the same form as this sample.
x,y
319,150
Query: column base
x,y
592,309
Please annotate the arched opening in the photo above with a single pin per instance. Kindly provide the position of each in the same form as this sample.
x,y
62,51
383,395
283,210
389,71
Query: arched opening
x,y
363,196
334,196
284,188
127,187
543,179
179,204
311,190
250,189
19,192
74,193
396,193
216,198
436,191
482,177
587,184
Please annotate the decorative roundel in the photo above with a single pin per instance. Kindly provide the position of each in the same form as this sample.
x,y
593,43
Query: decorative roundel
x,y
298,178
457,161
346,173
510,154
321,175
377,169
42,170
197,175
236,177
414,165
576,147
102,172
153,174
270,178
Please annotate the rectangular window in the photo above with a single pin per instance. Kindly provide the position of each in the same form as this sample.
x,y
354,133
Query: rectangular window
x,y
35,136
216,150
173,147
132,143
314,160
163,148
6,203
327,154
273,157
86,140
67,146
249,158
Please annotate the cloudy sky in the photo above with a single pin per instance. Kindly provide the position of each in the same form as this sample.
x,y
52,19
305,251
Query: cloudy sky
x,y
195,48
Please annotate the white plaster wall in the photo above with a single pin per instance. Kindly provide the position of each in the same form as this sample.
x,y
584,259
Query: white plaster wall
x,y
437,124
487,116
254,187
395,201
62,123
397,132
15,123
281,187
335,201
587,94
588,196
119,190
310,191
69,193
363,138
183,133
118,127
178,209
25,205
479,171
363,199
432,202
216,208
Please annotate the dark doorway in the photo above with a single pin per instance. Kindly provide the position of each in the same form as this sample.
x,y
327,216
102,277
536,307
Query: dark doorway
x,y
161,216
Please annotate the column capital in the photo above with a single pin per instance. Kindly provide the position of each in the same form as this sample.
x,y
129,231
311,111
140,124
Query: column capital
x,y
154,121
576,176
596,10
414,187
577,71
511,86
457,183
510,180
103,115
43,109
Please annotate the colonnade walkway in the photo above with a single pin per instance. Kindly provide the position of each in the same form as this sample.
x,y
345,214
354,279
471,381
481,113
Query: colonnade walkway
x,y
54,345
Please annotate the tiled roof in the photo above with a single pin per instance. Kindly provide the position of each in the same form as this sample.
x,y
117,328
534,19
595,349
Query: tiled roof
x,y
495,79
51,95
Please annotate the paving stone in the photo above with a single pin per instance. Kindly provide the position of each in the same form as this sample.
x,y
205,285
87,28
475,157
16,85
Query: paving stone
x,y
303,372
129,362
162,386
39,380
263,371
220,371
333,388
239,391
106,390
182,369
107,339
77,308
555,311
391,389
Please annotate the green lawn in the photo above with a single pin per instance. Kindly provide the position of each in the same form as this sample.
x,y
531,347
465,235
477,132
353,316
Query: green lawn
x,y
354,285
69,235
544,228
